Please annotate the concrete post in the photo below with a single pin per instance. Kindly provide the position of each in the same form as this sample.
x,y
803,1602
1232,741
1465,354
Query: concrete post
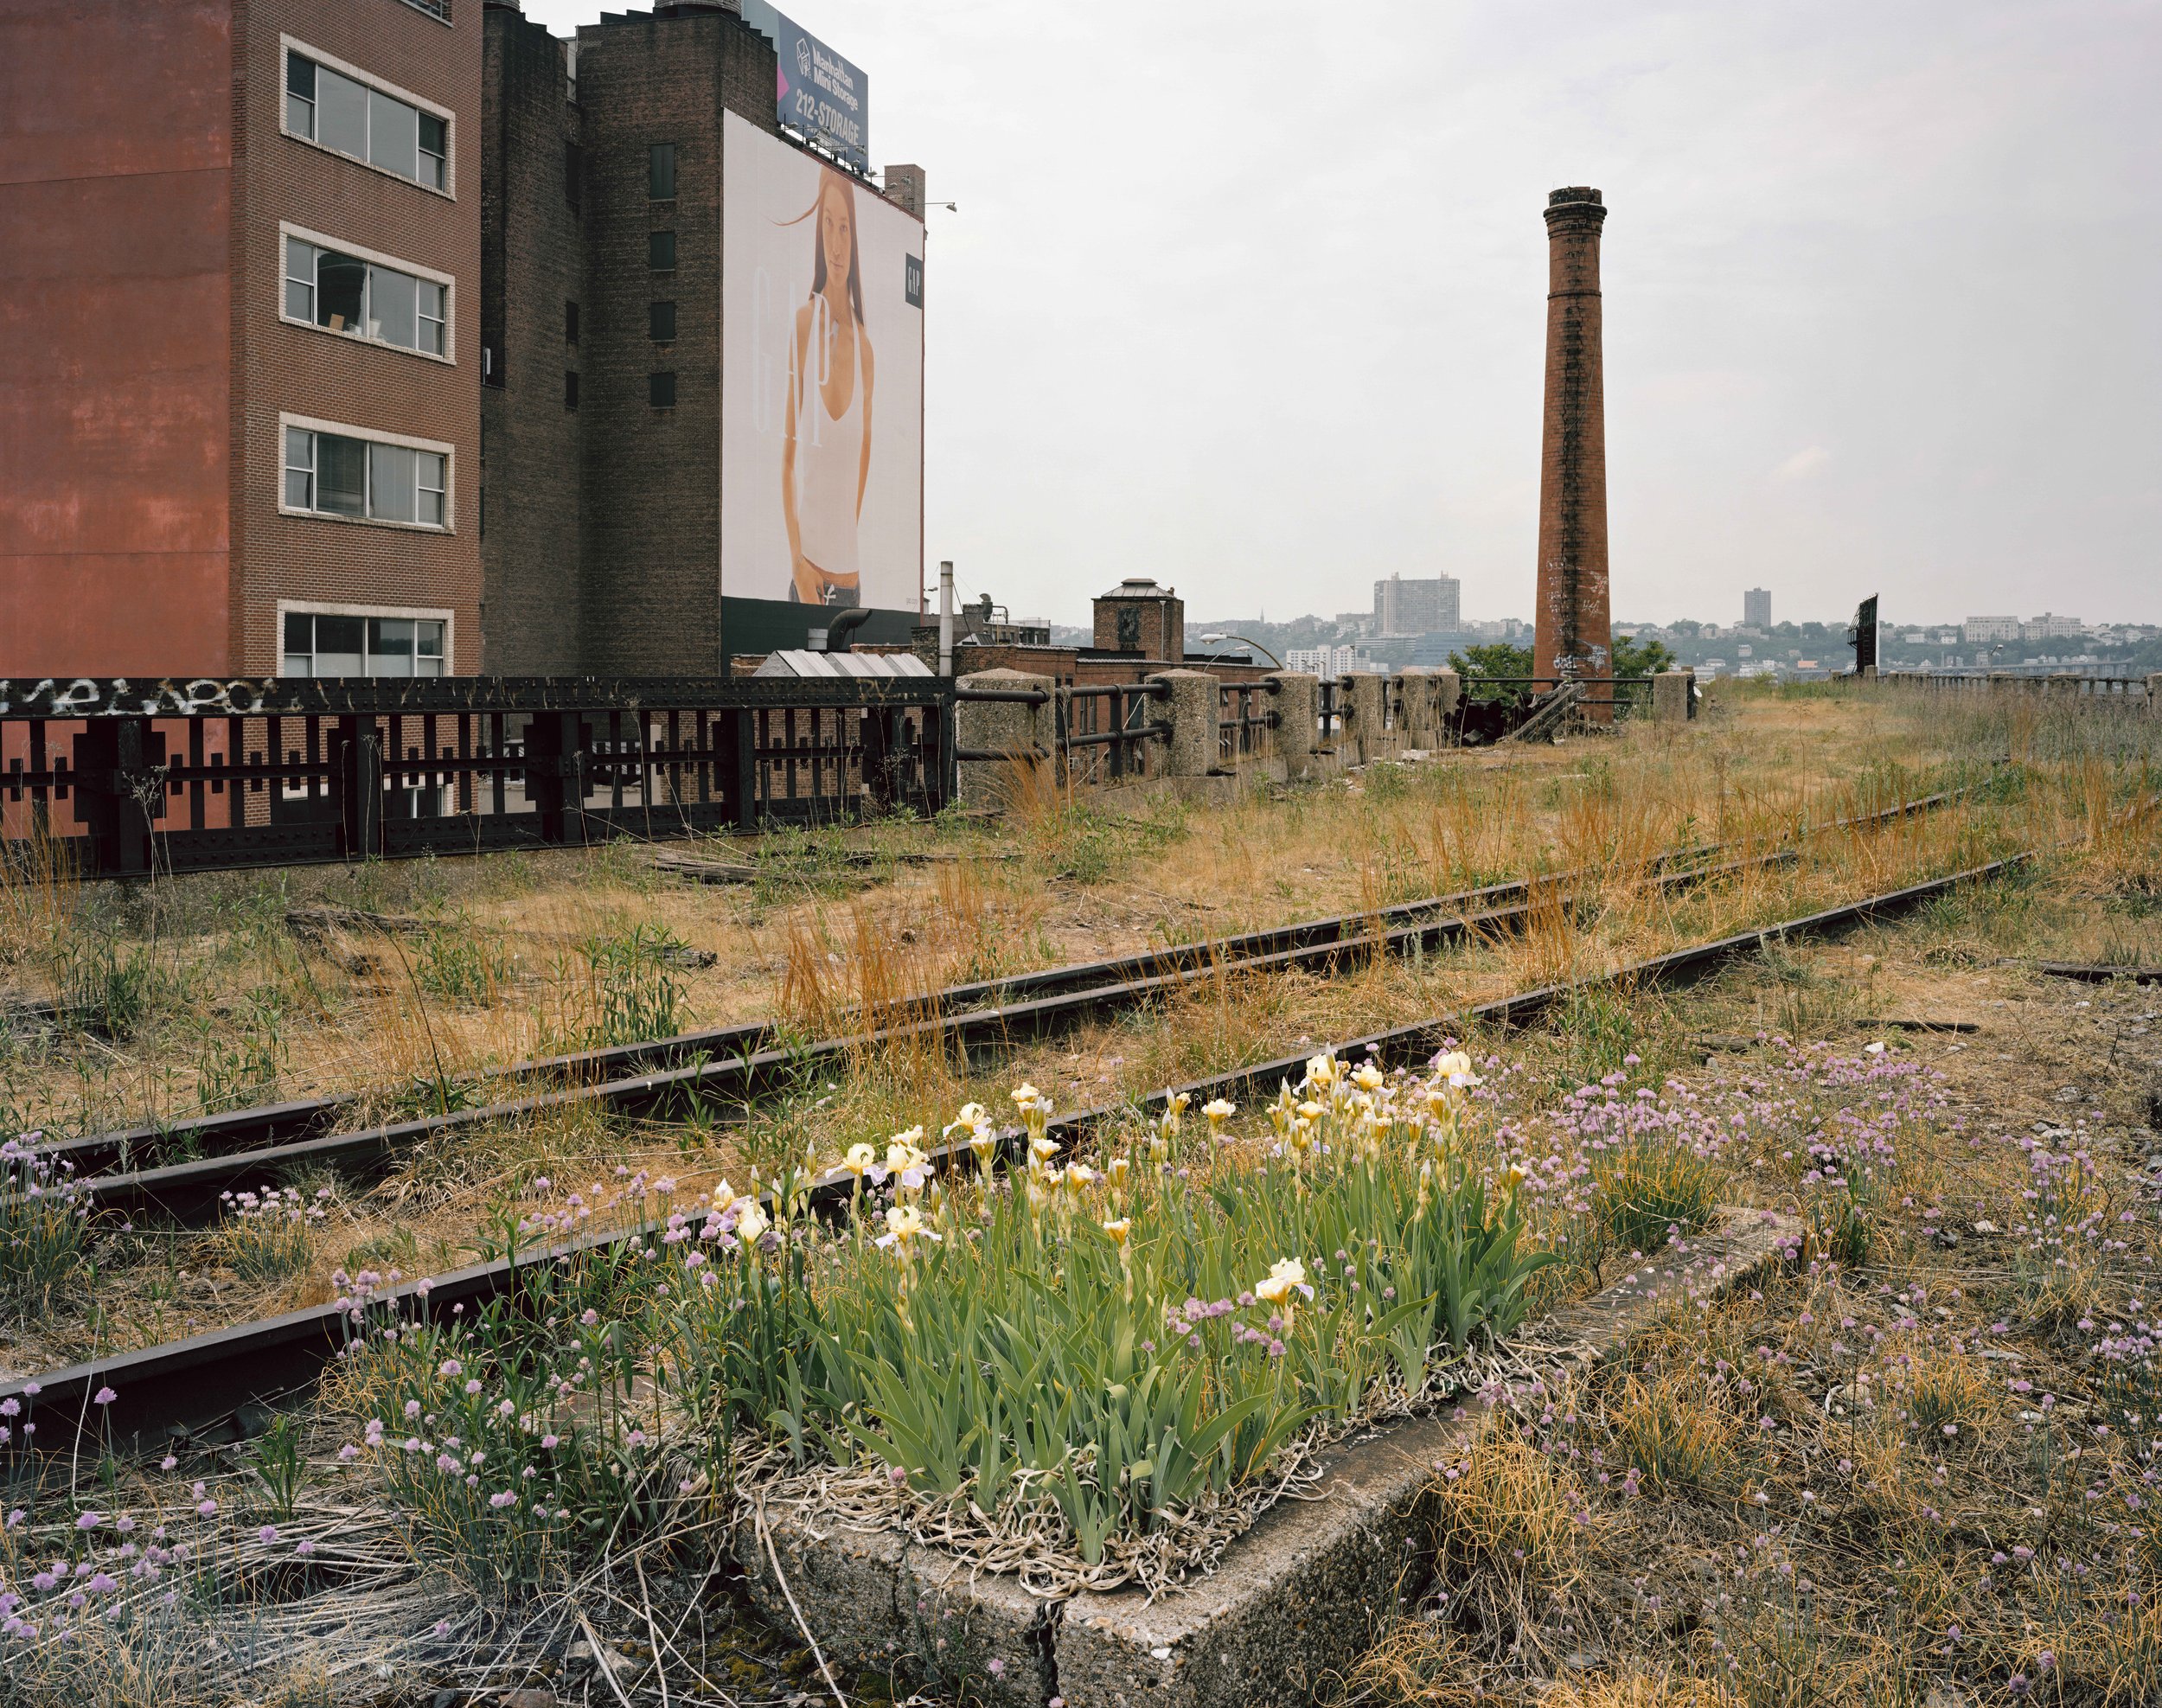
x,y
1417,723
1670,697
1360,695
1191,709
2154,694
1022,736
1298,707
1449,701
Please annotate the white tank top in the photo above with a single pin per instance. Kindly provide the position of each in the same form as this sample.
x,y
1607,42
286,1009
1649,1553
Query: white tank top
x,y
829,455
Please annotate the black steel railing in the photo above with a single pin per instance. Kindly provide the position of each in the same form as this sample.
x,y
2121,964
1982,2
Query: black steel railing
x,y
1245,718
1105,729
124,777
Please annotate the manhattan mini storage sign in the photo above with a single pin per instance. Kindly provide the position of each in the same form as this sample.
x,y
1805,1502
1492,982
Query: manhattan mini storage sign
x,y
817,93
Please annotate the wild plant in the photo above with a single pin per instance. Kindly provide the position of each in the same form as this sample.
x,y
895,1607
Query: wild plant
x,y
1116,1342
629,991
240,1067
271,1235
462,965
44,1226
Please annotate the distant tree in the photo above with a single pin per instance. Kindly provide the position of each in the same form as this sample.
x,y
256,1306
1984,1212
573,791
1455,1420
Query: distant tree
x,y
1488,660
1634,658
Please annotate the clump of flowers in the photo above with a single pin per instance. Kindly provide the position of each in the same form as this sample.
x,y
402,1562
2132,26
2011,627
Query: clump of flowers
x,y
271,1235
44,1222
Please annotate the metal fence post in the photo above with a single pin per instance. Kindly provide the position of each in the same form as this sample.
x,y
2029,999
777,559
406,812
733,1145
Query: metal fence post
x,y
360,761
114,757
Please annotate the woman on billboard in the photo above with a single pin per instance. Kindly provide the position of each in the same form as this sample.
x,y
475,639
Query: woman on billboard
x,y
825,452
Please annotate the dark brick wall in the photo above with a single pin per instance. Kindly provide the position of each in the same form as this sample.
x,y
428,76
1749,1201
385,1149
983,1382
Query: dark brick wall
x,y
310,372
533,262
651,520
1573,635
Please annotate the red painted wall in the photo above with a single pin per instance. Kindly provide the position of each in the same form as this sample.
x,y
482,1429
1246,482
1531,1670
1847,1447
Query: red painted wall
x,y
116,206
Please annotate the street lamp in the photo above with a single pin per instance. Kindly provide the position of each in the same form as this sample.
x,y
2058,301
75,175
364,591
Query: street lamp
x,y
1211,640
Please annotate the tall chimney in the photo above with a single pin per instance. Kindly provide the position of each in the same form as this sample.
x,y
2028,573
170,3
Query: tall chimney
x,y
1574,633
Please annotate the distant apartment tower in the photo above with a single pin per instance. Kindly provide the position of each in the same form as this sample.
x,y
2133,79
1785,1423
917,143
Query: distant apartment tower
x,y
239,245
1421,607
2052,627
1756,608
1982,630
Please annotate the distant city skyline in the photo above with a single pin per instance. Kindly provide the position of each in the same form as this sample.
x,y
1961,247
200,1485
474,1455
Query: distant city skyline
x,y
1878,295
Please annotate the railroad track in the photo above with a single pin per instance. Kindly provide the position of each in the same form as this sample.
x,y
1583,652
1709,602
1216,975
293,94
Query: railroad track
x,y
723,1071
198,1387
725,1086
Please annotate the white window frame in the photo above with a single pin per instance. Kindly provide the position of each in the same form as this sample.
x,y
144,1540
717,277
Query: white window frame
x,y
372,436
372,258
442,614
290,44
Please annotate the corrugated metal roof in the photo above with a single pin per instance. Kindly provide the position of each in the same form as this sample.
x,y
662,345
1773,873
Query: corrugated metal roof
x,y
798,661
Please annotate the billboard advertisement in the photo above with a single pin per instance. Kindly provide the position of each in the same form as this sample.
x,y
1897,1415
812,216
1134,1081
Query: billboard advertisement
x,y
816,94
821,381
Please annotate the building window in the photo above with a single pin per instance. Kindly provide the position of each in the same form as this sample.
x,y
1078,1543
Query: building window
x,y
364,298
569,388
570,323
661,390
333,643
661,251
340,112
342,475
573,174
661,171
663,315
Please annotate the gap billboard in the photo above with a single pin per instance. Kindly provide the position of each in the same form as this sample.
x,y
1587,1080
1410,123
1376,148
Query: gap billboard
x,y
821,381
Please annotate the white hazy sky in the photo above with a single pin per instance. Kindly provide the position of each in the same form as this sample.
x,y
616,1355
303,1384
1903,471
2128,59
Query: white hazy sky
x,y
1250,296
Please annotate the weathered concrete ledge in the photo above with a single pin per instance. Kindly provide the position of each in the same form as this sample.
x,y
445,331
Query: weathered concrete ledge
x,y
1297,1597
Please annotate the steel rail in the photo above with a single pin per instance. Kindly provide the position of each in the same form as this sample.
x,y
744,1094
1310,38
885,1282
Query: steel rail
x,y
273,1126
187,1191
165,1393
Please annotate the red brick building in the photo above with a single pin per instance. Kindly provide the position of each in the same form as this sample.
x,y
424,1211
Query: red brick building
x,y
369,337
239,417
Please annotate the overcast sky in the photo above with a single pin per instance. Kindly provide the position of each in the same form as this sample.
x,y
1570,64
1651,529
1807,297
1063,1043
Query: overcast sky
x,y
1250,296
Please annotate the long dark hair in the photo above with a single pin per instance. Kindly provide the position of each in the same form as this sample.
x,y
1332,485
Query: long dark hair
x,y
818,242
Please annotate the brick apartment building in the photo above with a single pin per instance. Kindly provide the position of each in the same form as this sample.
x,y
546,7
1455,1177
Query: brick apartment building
x,y
239,254
377,337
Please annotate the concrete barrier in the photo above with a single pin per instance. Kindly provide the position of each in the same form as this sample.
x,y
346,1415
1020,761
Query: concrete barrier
x,y
1022,735
1448,698
1360,695
1419,716
1191,708
1298,731
1670,697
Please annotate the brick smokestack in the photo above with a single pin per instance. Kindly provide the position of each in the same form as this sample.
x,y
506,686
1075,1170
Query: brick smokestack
x,y
1574,633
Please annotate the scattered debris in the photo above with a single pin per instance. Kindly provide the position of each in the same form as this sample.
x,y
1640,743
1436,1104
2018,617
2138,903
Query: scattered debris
x,y
313,924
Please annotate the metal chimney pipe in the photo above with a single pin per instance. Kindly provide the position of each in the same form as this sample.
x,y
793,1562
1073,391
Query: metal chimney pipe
x,y
945,617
